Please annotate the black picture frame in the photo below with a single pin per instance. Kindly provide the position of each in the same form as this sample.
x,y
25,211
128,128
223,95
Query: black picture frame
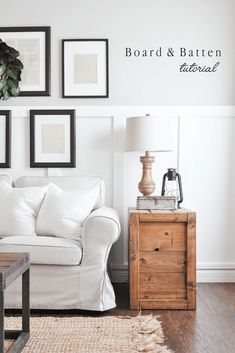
x,y
7,162
47,75
72,145
105,94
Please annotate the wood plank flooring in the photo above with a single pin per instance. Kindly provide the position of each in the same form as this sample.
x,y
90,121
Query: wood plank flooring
x,y
209,329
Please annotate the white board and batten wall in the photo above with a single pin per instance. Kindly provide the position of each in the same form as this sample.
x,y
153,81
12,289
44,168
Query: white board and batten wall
x,y
201,107
202,139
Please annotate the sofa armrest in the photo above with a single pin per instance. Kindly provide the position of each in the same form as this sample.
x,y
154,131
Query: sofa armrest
x,y
100,230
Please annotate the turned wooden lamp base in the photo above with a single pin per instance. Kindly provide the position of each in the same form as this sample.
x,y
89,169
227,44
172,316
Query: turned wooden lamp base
x,y
146,185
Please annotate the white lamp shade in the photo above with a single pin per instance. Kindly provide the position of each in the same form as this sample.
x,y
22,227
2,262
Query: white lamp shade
x,y
146,133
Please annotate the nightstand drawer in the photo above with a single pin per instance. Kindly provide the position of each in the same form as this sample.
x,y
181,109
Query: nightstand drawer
x,y
159,286
162,236
153,262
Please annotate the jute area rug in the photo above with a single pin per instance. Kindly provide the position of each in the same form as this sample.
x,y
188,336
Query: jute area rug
x,y
92,334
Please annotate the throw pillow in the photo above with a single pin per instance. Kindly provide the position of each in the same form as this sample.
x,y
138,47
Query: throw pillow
x,y
63,212
19,208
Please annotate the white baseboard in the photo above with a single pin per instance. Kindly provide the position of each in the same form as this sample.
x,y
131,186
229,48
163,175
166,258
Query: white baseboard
x,y
215,276
206,273
212,272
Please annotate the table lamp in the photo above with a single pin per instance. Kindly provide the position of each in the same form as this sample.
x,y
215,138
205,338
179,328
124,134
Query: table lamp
x,y
144,134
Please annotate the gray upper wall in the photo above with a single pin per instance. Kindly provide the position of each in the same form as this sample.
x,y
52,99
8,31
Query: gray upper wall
x,y
139,24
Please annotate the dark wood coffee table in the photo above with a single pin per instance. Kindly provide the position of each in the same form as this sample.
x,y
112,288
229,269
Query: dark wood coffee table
x,y
13,265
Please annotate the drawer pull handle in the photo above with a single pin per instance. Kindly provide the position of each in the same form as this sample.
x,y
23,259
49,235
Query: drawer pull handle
x,y
156,249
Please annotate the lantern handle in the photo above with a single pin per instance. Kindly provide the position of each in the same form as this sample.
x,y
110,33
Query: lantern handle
x,y
164,184
181,189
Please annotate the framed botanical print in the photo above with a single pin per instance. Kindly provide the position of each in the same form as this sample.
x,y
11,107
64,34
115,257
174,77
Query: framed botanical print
x,y
52,138
5,138
85,71
33,44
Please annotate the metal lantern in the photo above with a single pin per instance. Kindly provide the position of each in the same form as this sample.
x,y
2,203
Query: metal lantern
x,y
172,185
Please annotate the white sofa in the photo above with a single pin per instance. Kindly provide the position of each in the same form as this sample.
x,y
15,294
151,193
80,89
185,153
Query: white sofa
x,y
66,274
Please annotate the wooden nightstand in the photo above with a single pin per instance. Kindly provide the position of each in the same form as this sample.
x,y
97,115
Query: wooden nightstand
x,y
162,259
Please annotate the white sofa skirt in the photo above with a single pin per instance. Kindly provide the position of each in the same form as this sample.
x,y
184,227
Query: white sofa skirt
x,y
62,287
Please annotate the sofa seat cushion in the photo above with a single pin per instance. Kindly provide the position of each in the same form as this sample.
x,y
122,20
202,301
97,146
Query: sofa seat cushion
x,y
44,250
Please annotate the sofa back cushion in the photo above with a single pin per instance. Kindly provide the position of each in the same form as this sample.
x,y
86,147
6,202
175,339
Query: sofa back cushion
x,y
68,183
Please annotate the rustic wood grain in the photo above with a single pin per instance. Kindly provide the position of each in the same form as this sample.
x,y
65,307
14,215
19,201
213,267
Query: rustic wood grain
x,y
159,236
156,261
163,304
134,260
191,260
170,283
162,259
12,265
163,216
13,256
163,294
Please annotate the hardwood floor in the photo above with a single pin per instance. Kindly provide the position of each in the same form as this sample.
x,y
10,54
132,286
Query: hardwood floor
x,y
209,329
